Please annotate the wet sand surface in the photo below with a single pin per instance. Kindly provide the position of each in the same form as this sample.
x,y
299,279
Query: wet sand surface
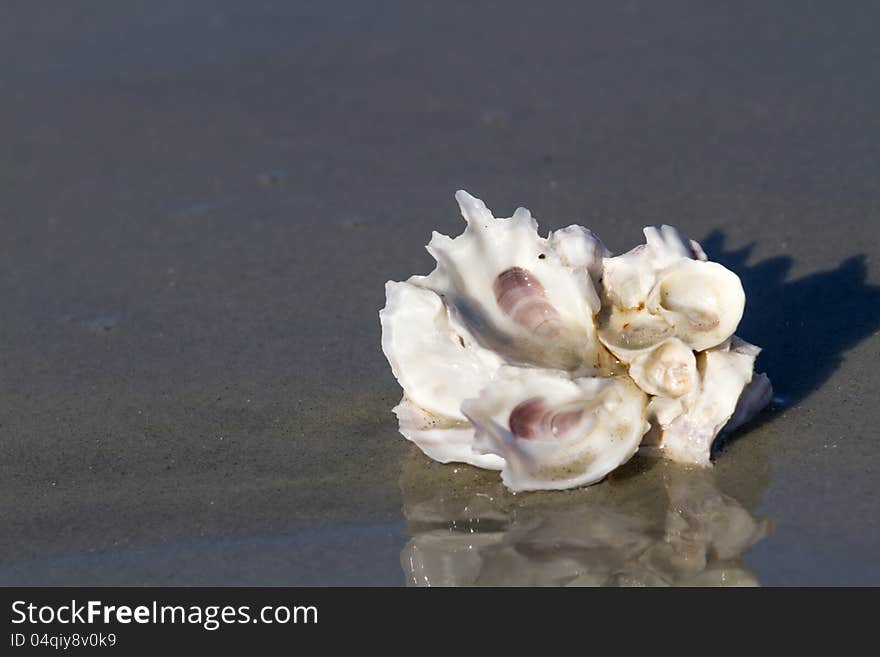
x,y
200,203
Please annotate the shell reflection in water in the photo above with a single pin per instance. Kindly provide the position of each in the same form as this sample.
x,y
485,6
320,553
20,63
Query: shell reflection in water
x,y
669,526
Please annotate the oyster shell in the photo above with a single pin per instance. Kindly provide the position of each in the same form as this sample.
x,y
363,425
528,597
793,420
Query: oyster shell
x,y
444,439
685,428
434,357
546,358
529,299
553,431
666,288
668,370
438,364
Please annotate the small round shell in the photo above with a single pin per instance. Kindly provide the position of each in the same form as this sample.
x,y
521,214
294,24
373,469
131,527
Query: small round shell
x,y
669,370
702,301
687,427
666,288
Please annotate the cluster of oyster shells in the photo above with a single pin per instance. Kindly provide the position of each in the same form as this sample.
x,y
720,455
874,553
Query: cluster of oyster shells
x,y
552,361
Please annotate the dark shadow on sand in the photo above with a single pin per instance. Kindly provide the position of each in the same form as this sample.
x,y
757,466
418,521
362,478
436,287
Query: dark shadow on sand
x,y
805,325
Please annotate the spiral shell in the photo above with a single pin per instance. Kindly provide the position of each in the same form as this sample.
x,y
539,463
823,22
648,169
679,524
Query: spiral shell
x,y
521,296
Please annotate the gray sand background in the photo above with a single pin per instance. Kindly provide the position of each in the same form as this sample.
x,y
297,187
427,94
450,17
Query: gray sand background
x,y
201,201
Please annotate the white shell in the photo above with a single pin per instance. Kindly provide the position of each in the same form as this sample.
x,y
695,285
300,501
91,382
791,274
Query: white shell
x,y
443,439
668,370
666,288
688,426
702,301
433,357
515,291
556,432
508,317
628,278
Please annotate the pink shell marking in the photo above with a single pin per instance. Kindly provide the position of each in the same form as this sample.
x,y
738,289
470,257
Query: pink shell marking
x,y
520,295
532,419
